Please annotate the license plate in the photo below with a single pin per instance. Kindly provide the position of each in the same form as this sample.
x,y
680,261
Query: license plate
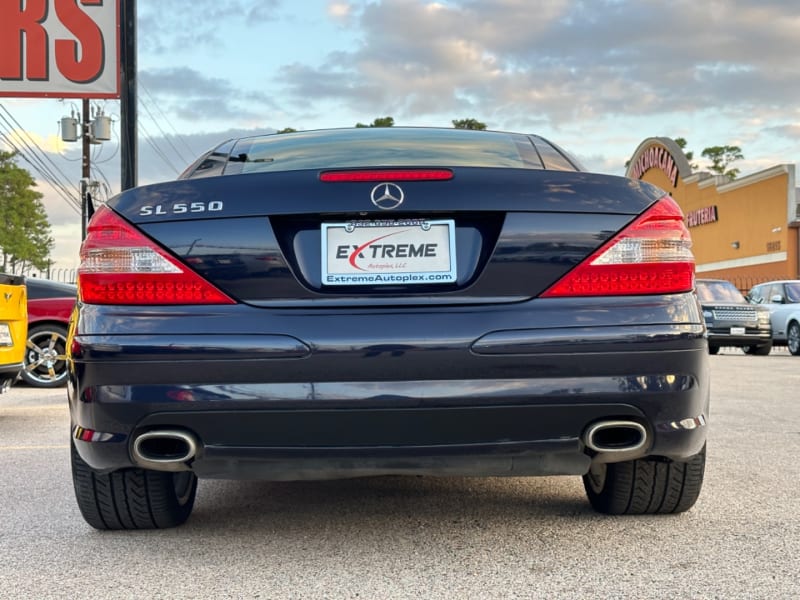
x,y
737,330
389,252
5,335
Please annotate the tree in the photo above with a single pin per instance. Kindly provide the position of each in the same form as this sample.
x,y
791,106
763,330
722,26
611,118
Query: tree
x,y
379,122
287,130
469,124
721,157
25,238
688,154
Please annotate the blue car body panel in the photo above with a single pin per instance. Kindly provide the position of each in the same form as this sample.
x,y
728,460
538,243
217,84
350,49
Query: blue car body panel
x,y
298,379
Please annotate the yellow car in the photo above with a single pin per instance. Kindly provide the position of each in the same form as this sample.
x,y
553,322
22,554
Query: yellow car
x,y
13,328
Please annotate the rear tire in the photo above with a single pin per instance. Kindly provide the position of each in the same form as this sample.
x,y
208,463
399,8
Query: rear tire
x,y
645,486
793,339
132,498
762,350
713,349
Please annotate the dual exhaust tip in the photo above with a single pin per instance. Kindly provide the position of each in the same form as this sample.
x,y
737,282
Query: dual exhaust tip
x,y
174,449
165,450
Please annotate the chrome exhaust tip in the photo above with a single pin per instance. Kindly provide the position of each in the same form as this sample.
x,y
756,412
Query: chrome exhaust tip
x,y
616,441
165,450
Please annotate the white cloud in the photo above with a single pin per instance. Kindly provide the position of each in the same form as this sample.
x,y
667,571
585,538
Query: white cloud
x,y
567,61
340,11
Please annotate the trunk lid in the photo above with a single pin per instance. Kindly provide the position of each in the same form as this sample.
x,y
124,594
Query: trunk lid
x,y
273,238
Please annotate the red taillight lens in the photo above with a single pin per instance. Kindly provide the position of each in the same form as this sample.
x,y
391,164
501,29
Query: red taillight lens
x,y
387,175
120,265
651,256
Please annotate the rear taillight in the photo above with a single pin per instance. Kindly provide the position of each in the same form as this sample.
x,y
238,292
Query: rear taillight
x,y
651,256
120,265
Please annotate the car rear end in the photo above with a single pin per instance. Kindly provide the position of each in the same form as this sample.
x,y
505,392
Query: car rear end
x,y
430,317
13,327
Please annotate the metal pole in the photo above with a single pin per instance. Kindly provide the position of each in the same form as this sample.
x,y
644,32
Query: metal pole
x,y
85,165
128,109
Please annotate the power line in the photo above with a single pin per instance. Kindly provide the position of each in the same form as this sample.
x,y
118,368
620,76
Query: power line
x,y
149,139
28,149
28,152
186,145
164,135
33,148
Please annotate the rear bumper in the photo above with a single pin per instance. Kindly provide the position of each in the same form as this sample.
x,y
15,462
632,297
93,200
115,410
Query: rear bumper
x,y
442,393
723,337
11,369
520,426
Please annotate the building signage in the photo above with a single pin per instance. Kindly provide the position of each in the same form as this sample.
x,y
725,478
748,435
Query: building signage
x,y
656,157
59,48
702,216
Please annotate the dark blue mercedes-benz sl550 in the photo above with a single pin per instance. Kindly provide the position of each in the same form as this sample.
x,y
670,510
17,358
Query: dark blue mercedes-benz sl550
x,y
372,301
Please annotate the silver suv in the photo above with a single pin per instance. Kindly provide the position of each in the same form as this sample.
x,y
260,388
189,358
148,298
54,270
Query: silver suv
x,y
782,298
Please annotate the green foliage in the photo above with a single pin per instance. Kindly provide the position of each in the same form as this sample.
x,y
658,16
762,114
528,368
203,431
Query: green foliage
x,y
469,124
721,157
379,122
688,154
25,238
287,130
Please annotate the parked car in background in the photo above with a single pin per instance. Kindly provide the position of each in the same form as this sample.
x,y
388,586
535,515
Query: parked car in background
x,y
782,298
373,301
50,304
13,326
731,320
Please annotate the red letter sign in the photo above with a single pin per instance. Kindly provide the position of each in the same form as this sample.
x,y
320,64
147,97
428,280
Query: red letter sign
x,y
59,48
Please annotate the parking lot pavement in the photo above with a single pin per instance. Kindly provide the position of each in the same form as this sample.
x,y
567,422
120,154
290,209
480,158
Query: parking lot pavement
x,y
422,537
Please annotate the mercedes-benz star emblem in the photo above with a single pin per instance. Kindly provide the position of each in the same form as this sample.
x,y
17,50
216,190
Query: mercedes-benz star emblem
x,y
387,196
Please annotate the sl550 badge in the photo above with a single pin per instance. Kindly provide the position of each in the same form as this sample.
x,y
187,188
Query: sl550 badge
x,y
180,208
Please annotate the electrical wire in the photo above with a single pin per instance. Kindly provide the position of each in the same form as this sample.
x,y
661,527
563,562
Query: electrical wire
x,y
30,152
149,139
96,158
95,168
16,137
33,147
164,135
181,139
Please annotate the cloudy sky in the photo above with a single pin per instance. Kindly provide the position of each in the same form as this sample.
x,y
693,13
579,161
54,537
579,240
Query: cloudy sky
x,y
597,77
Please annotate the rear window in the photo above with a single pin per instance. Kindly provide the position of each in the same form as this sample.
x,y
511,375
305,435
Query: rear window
x,y
393,147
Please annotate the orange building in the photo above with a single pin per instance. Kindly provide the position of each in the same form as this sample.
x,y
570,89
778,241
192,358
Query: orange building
x,y
744,230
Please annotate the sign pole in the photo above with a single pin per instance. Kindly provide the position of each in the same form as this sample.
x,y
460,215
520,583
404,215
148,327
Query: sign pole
x,y
128,98
86,171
